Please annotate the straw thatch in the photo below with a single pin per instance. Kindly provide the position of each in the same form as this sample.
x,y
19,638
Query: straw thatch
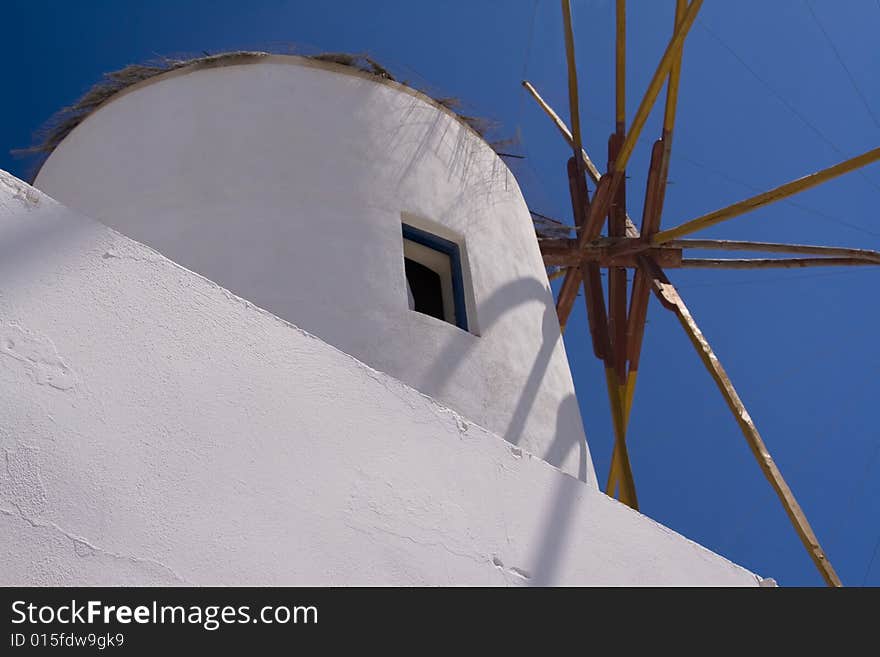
x,y
63,122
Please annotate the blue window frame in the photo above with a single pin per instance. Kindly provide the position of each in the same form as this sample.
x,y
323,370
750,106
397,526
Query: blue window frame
x,y
430,281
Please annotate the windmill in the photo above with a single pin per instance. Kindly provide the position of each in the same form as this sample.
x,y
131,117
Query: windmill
x,y
617,328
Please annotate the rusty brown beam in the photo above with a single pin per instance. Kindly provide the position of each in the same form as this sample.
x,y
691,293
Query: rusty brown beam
x,y
597,318
670,299
620,68
577,189
602,348
574,275
591,169
635,331
572,281
638,307
615,370
605,193
617,286
560,253
768,197
567,295
655,194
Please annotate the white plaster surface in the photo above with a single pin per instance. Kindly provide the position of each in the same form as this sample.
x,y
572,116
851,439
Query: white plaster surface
x,y
157,429
286,181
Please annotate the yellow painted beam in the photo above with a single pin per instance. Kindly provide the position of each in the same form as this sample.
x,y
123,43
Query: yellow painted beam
x,y
766,198
573,106
627,483
674,76
627,393
592,170
773,263
775,247
656,85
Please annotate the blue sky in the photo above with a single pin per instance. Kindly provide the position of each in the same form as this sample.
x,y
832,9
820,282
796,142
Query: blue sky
x,y
764,99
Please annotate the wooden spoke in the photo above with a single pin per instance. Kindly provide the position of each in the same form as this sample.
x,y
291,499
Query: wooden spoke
x,y
592,170
766,198
598,321
658,171
669,298
608,184
617,298
620,69
617,286
773,263
674,76
627,486
638,307
605,191
651,212
618,334
616,373
667,258
567,295
663,68
668,125
774,247
573,105
563,252
597,318
635,333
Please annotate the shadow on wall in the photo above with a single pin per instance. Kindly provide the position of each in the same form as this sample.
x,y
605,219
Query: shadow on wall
x,y
431,134
504,299
565,441
422,129
554,533
27,242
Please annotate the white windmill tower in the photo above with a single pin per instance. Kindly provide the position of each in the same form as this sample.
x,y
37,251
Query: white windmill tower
x,y
175,432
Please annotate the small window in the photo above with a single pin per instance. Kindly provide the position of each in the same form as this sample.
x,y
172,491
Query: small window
x,y
433,276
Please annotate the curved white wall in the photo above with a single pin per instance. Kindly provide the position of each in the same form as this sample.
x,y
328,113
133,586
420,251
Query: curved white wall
x,y
285,181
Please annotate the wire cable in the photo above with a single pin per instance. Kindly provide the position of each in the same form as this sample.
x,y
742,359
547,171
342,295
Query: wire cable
x,y
525,68
852,79
762,281
871,562
791,108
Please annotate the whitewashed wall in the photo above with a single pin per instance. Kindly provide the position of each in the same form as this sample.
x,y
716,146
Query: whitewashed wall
x,y
286,180
157,429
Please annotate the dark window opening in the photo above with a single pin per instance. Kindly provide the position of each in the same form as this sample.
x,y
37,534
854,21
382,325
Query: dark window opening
x,y
434,280
425,288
